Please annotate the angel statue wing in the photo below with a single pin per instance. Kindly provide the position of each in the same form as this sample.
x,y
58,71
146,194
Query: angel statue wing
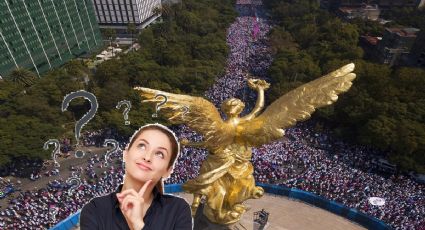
x,y
196,112
297,105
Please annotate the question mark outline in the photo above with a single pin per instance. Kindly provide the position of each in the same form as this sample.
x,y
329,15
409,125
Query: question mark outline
x,y
55,151
126,110
86,117
114,149
185,109
53,212
73,186
158,105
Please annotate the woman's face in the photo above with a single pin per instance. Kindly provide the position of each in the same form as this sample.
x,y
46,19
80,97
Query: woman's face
x,y
149,156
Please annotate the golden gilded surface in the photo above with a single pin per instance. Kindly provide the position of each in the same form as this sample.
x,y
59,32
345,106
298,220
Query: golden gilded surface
x,y
225,178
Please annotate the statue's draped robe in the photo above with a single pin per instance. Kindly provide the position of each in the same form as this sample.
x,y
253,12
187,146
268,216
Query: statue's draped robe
x,y
225,178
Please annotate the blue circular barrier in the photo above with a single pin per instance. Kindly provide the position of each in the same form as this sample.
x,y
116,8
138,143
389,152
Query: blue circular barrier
x,y
307,197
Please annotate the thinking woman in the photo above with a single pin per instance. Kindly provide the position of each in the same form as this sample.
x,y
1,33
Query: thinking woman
x,y
139,203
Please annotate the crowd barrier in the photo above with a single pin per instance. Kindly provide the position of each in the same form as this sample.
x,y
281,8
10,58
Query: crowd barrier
x,y
352,214
307,197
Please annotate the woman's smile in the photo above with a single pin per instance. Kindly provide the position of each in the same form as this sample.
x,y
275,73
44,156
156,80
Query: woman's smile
x,y
143,167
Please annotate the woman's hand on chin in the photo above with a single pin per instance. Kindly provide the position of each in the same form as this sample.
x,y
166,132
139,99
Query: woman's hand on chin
x,y
132,205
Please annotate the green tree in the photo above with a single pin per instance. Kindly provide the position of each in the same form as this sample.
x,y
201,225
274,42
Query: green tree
x,y
157,10
131,29
109,34
170,59
384,108
281,40
22,77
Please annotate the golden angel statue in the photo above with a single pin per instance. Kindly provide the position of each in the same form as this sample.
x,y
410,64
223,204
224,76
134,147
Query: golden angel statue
x,y
226,176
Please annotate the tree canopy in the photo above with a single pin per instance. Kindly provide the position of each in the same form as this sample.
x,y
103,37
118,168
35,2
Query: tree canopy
x,y
384,108
183,53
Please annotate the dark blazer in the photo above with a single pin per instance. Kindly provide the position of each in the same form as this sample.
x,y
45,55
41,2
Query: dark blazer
x,y
167,212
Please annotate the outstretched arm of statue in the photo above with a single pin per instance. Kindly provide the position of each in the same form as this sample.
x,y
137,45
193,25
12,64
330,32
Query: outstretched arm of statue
x,y
186,142
260,86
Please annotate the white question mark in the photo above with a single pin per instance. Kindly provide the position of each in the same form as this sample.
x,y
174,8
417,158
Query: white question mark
x,y
57,147
53,211
126,111
159,104
186,110
86,118
116,146
70,180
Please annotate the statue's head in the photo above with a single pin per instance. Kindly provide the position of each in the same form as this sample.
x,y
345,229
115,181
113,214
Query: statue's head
x,y
232,107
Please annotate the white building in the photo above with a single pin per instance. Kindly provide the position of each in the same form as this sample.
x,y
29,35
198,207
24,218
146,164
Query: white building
x,y
368,12
119,13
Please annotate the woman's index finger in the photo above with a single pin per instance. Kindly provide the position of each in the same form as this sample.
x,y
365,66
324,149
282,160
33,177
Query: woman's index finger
x,y
144,187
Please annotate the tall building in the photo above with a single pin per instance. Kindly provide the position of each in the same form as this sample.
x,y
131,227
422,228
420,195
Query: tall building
x,y
119,13
44,34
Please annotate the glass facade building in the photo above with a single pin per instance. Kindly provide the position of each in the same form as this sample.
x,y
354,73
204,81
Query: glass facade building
x,y
122,12
44,34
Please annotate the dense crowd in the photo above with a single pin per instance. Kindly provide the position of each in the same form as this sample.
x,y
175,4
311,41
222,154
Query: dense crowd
x,y
339,172
248,58
21,167
45,207
343,173
96,138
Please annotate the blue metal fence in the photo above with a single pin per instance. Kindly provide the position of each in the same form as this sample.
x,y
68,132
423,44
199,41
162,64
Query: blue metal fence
x,y
310,198
352,214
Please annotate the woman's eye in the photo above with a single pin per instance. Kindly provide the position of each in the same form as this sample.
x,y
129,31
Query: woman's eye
x,y
142,146
160,154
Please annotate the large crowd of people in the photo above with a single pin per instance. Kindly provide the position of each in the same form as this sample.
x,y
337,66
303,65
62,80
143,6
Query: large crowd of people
x,y
340,172
248,58
45,207
21,167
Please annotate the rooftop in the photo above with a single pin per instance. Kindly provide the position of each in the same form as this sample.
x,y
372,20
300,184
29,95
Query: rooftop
x,y
371,40
347,9
404,32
